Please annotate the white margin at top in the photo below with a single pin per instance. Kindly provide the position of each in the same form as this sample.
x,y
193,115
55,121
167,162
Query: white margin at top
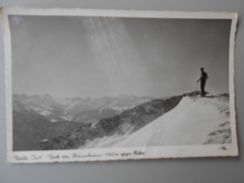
x,y
120,13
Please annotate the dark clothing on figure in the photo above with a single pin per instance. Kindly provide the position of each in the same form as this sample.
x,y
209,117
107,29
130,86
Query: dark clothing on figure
x,y
203,82
203,79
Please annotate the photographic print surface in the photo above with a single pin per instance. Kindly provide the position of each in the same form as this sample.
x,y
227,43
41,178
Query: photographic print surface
x,y
90,85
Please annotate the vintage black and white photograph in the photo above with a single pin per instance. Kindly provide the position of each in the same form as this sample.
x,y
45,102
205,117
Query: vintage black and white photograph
x,y
119,85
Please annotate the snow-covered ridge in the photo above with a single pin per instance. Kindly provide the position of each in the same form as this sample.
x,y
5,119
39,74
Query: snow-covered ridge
x,y
189,123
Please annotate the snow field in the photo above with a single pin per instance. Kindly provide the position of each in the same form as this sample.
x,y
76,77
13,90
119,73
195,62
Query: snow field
x,y
189,123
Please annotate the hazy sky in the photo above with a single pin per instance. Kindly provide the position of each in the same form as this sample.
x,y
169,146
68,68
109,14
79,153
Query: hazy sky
x,y
94,57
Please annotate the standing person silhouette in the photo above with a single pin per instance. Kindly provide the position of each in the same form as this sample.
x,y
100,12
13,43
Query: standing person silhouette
x,y
203,78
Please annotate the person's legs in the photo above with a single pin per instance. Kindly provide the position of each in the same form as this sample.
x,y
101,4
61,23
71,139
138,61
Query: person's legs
x,y
203,87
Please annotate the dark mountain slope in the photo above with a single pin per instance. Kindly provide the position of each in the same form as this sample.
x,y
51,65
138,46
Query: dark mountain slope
x,y
32,131
29,128
138,116
128,121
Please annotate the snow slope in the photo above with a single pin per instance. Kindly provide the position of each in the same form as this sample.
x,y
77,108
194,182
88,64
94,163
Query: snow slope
x,y
190,122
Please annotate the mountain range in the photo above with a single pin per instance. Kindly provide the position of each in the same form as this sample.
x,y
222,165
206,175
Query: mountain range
x,y
38,117
118,121
84,110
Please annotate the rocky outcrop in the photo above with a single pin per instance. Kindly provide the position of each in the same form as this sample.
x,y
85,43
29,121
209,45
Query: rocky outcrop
x,y
221,135
138,116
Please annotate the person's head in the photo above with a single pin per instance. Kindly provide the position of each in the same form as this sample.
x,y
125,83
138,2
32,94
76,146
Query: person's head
x,y
202,69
